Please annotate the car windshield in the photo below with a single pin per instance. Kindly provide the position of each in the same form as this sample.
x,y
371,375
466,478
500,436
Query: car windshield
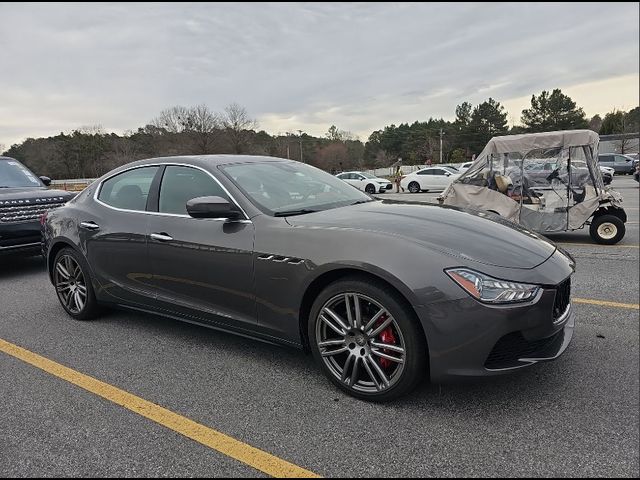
x,y
292,188
14,174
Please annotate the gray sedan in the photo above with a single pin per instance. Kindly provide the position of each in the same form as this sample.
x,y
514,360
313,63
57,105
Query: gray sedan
x,y
382,293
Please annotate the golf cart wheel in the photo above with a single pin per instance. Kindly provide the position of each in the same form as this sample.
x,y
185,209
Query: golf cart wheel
x,y
370,189
607,229
414,187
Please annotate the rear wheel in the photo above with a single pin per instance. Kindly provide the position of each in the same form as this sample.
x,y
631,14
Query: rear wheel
x,y
73,285
414,187
367,340
607,229
370,189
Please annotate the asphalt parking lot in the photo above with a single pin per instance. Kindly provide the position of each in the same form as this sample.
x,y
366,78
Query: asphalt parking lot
x,y
577,416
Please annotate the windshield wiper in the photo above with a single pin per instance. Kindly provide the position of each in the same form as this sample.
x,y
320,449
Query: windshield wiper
x,y
290,213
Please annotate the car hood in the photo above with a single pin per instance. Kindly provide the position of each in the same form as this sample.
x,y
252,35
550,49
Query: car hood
x,y
33,194
381,180
466,234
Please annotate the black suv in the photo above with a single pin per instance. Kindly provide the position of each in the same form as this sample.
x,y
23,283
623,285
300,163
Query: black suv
x,y
23,199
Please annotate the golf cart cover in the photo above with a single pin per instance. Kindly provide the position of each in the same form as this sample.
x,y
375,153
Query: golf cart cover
x,y
547,182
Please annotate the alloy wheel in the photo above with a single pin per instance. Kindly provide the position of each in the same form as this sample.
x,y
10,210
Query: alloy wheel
x,y
70,284
360,342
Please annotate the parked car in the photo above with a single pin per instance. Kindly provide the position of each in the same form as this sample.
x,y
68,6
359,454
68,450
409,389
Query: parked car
x,y
428,179
366,182
622,164
23,199
464,167
382,293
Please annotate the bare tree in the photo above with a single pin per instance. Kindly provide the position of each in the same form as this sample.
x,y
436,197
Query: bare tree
x,y
237,126
205,128
173,120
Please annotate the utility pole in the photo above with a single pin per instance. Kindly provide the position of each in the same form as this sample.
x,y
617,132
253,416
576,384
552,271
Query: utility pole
x,y
288,134
300,132
441,133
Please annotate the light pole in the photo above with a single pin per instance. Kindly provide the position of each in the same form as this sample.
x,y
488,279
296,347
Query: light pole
x,y
441,133
301,132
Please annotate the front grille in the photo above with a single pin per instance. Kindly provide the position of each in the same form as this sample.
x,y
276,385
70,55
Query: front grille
x,y
514,346
25,213
388,187
563,297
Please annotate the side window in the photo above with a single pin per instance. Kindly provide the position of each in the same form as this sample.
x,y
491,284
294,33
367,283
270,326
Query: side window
x,y
606,158
425,172
128,190
181,184
621,159
342,176
438,171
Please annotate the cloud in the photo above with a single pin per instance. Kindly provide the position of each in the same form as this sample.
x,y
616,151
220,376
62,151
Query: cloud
x,y
359,66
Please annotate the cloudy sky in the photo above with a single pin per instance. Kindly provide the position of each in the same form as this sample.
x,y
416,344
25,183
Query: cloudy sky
x,y
305,65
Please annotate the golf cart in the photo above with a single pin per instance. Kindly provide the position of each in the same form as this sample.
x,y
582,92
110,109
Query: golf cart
x,y
547,182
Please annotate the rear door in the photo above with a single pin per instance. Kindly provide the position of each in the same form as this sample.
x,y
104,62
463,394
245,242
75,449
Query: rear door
x,y
115,233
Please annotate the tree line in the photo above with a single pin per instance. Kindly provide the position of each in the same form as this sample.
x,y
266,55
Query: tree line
x,y
88,152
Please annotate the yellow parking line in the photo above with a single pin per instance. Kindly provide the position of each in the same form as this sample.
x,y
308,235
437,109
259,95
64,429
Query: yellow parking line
x,y
633,306
570,244
258,459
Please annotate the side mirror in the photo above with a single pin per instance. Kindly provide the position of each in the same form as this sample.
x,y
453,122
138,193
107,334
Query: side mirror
x,y
447,174
46,181
212,207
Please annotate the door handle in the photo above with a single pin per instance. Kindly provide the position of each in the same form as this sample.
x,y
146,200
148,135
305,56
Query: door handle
x,y
161,237
90,225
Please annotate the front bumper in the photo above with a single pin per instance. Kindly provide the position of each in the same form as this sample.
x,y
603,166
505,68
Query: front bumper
x,y
383,188
470,339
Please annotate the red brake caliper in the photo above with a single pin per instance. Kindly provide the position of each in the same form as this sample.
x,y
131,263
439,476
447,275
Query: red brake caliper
x,y
386,336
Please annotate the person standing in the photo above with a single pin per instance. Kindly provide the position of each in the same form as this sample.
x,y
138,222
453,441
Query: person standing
x,y
397,177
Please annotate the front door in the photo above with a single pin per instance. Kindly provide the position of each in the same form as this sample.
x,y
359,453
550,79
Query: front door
x,y
202,268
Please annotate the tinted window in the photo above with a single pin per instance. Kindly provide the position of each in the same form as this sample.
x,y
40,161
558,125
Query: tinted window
x,y
606,158
621,159
181,184
439,171
128,190
425,172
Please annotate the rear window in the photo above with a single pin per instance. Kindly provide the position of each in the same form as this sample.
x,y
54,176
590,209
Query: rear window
x,y
128,190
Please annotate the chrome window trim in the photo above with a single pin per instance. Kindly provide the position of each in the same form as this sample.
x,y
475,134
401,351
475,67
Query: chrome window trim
x,y
170,164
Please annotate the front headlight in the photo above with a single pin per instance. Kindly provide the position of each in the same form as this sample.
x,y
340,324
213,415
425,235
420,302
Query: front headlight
x,y
491,290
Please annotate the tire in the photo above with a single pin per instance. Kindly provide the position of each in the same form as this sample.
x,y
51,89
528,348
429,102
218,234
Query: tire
x,y
414,187
78,302
370,189
607,229
356,366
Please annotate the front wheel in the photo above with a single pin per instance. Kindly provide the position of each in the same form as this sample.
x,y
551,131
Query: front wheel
x,y
367,340
73,285
414,187
370,189
607,229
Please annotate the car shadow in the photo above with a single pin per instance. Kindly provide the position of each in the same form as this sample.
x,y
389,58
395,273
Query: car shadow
x,y
14,266
477,395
